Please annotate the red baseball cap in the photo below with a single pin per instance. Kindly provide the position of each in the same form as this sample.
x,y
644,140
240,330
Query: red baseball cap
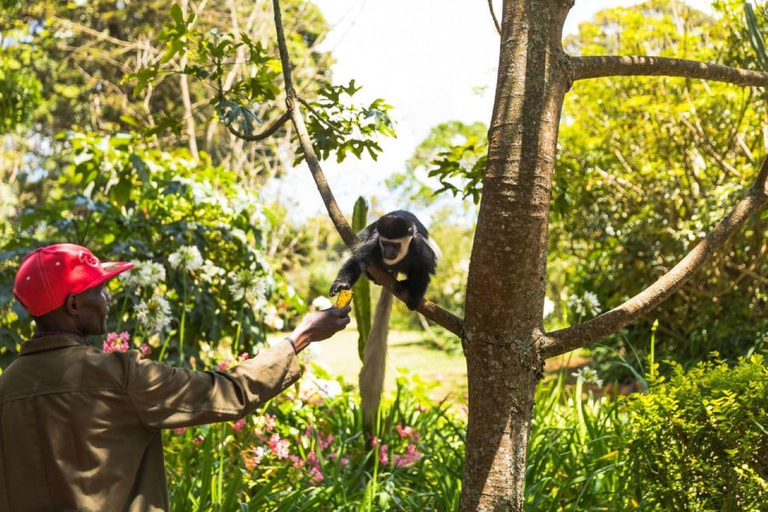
x,y
51,274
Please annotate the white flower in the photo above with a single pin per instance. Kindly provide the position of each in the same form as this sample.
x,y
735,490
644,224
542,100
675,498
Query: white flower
x,y
154,313
549,307
247,285
589,376
586,305
188,257
144,273
321,302
591,302
210,271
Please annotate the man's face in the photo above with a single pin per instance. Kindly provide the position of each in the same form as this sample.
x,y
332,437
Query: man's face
x,y
92,310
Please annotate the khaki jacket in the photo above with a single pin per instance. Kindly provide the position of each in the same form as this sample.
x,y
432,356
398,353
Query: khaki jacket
x,y
80,429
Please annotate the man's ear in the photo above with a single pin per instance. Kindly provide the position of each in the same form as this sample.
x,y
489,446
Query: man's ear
x,y
71,305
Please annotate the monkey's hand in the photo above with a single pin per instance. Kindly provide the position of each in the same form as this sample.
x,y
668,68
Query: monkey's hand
x,y
338,285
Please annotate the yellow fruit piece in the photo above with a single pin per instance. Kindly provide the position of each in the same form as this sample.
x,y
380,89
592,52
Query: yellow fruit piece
x,y
344,298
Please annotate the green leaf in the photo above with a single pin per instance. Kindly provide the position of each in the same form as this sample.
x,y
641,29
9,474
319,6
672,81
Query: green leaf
x,y
756,38
122,191
362,289
177,15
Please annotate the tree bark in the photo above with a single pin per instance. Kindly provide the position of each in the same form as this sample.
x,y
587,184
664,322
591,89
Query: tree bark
x,y
505,290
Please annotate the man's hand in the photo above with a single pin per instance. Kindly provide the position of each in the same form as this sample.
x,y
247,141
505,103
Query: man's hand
x,y
320,326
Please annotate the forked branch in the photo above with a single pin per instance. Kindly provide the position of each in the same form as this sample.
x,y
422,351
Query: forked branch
x,y
577,336
613,65
426,308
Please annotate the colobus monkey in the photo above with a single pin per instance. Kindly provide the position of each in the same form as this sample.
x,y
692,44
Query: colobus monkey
x,y
401,244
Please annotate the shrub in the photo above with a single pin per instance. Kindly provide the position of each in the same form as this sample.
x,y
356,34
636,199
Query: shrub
x,y
699,441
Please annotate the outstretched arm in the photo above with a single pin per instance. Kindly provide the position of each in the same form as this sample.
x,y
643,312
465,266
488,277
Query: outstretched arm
x,y
348,275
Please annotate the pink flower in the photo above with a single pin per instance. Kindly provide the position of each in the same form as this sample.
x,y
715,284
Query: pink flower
x,y
408,432
250,462
242,357
116,342
253,457
374,441
383,455
193,362
308,431
316,475
269,422
145,349
296,461
239,424
409,457
344,461
180,430
225,364
324,443
313,464
280,447
198,440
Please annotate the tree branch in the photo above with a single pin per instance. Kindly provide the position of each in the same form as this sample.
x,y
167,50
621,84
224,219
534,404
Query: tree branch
x,y
269,130
577,336
613,65
493,15
426,308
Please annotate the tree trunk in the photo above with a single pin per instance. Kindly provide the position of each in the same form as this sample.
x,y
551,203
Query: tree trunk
x,y
505,290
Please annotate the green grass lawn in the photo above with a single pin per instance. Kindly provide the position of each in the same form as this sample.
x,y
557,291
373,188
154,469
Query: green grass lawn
x,y
411,351
407,350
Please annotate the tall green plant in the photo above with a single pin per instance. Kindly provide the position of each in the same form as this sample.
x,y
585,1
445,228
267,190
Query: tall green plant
x,y
362,289
756,38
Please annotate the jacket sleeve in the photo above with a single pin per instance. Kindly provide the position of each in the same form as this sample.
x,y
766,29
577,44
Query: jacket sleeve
x,y
170,397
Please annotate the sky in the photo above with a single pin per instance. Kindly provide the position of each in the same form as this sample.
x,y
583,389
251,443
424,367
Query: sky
x,y
432,60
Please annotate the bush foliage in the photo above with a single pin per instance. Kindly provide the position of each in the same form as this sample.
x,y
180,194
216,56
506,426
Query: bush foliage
x,y
700,440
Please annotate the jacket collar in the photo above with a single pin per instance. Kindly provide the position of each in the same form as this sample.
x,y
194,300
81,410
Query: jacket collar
x,y
51,341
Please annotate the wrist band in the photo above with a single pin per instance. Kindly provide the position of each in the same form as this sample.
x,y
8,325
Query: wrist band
x,y
288,338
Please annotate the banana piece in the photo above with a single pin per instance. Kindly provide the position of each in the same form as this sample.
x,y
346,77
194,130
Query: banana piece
x,y
344,298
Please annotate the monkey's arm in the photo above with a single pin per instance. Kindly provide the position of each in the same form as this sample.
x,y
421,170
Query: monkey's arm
x,y
347,276
354,266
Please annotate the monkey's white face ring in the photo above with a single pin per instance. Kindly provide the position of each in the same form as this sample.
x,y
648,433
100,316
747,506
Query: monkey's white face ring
x,y
404,242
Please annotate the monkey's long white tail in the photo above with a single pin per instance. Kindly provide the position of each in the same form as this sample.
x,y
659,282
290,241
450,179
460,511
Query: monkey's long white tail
x,y
375,359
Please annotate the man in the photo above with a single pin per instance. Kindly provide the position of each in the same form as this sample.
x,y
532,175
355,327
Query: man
x,y
81,429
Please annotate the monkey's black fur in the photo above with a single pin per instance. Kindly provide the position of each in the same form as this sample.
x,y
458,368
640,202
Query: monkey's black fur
x,y
383,241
